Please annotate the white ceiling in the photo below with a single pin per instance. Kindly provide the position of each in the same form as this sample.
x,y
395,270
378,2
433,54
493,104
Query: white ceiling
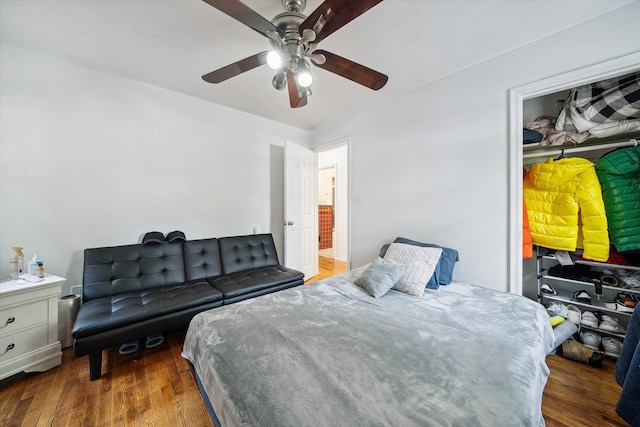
x,y
172,43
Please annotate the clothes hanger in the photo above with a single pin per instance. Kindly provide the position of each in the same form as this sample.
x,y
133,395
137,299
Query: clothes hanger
x,y
561,156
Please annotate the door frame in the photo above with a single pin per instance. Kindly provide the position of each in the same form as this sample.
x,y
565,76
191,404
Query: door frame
x,y
338,143
601,71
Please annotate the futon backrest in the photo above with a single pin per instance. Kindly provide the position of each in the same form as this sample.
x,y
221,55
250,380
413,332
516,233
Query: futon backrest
x,y
116,270
202,259
247,252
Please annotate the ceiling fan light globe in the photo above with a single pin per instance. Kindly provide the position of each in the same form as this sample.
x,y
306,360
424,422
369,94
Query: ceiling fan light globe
x,y
304,78
274,60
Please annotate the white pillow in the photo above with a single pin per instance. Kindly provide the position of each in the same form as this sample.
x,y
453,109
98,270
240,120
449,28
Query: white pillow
x,y
421,263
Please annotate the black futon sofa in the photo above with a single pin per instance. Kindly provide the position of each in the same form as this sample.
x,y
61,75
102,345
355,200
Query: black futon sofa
x,y
136,290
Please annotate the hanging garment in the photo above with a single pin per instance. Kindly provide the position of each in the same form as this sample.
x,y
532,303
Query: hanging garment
x,y
619,174
527,242
565,207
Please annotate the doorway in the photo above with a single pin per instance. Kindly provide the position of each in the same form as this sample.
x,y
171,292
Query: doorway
x,y
333,203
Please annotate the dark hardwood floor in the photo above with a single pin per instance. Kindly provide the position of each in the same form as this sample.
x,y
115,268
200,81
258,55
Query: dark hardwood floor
x,y
156,388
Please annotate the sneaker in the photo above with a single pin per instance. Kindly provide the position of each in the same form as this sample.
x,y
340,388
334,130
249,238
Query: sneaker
x,y
546,289
611,324
612,346
625,302
582,296
589,319
557,309
573,314
590,339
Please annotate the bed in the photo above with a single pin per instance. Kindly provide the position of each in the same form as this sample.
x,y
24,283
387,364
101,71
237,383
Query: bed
x,y
328,353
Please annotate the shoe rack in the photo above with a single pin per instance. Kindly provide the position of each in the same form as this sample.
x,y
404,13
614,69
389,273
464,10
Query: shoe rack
x,y
567,287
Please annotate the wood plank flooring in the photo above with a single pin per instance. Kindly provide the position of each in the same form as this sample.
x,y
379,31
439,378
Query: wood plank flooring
x,y
156,388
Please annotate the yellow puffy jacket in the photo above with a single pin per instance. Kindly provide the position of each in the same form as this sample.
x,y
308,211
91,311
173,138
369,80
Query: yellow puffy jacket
x,y
564,203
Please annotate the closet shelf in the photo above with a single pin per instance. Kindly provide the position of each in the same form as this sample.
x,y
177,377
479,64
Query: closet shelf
x,y
602,332
597,263
591,284
596,304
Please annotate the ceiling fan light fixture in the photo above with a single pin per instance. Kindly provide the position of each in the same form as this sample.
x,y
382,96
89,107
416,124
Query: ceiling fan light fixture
x,y
304,78
280,79
303,74
304,92
274,60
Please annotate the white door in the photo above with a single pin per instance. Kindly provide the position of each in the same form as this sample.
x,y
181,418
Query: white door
x,y
300,209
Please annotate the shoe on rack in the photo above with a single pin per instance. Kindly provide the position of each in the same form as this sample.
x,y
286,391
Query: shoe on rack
x,y
573,350
546,289
625,302
612,346
557,309
589,319
611,324
590,339
573,314
629,279
611,305
582,296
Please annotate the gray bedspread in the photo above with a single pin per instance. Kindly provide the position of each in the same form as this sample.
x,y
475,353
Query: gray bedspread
x,y
328,354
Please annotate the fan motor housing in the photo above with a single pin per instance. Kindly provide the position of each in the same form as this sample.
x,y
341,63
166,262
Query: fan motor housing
x,y
294,5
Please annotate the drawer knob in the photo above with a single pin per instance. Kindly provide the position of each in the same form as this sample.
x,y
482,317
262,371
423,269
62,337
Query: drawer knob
x,y
9,320
9,347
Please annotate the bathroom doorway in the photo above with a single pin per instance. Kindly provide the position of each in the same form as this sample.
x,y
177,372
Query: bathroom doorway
x,y
333,202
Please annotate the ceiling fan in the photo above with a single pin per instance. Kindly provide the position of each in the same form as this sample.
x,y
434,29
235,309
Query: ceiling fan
x,y
294,38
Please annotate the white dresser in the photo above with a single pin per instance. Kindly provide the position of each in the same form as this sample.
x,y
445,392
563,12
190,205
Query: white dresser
x,y
29,326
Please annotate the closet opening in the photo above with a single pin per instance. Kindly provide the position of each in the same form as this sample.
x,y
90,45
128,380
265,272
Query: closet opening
x,y
526,103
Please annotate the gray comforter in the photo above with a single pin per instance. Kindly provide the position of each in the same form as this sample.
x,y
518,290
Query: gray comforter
x,y
328,354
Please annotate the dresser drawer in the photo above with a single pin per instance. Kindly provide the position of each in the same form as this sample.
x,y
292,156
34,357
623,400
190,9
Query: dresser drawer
x,y
17,317
18,344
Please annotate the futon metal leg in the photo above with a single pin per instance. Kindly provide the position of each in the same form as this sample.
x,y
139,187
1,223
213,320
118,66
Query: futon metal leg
x,y
95,365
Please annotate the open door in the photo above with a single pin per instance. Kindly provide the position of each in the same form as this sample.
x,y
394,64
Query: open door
x,y
300,211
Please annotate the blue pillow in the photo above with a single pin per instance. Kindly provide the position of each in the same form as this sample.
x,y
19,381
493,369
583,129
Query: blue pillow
x,y
380,276
443,274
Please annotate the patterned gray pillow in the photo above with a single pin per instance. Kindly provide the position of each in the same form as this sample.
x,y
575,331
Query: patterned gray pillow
x,y
421,263
380,276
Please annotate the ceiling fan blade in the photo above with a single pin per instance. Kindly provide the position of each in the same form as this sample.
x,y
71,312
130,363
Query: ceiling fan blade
x,y
352,70
332,15
295,99
236,68
243,13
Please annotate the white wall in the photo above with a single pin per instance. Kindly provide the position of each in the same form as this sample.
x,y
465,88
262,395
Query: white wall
x,y
89,159
338,157
432,164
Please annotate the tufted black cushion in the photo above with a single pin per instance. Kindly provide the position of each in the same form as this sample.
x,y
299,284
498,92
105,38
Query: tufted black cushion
x,y
103,314
122,269
256,282
247,252
202,259
135,290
